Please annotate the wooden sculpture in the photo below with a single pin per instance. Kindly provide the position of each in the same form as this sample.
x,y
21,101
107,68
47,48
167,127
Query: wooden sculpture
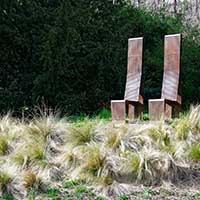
x,y
133,99
170,103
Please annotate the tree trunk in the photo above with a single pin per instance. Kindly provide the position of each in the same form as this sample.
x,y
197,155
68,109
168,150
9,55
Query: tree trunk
x,y
175,6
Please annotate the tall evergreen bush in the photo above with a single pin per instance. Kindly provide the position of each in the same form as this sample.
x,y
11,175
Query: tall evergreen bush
x,y
73,54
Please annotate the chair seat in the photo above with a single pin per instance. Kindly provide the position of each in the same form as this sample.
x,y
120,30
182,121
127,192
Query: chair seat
x,y
140,100
118,110
177,101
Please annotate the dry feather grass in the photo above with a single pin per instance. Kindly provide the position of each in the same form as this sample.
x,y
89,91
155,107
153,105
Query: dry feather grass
x,y
113,137
131,164
93,160
31,179
81,133
7,123
114,190
8,174
194,119
40,127
68,158
148,166
3,145
110,156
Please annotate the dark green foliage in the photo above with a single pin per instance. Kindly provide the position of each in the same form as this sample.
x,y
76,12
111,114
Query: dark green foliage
x,y
73,54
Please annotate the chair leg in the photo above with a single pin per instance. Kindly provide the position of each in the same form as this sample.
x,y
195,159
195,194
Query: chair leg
x,y
139,111
134,110
168,111
131,111
177,110
118,110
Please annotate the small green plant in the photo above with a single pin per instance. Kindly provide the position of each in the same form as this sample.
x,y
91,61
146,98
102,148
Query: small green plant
x,y
148,193
194,152
100,198
80,190
71,184
123,197
198,194
104,114
7,197
145,117
31,194
52,192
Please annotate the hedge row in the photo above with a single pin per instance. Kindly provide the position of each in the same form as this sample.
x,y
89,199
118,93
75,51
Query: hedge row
x,y
73,54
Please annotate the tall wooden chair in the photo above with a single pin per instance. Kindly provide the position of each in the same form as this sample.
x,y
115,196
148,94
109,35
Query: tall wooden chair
x,y
133,99
170,103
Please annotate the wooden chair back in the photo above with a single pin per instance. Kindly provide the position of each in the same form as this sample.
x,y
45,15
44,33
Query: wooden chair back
x,y
172,63
133,91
